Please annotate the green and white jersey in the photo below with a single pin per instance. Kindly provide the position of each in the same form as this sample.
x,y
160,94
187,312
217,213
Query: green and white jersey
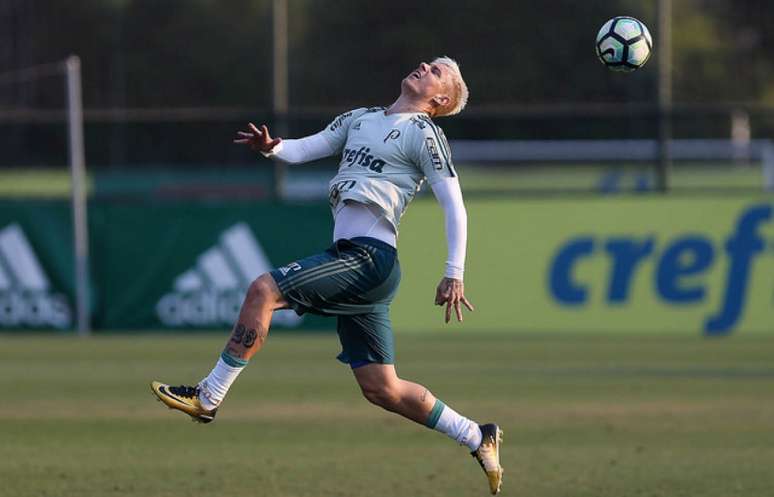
x,y
385,158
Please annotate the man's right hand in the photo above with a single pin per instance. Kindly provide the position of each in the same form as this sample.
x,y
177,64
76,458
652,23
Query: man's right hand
x,y
258,140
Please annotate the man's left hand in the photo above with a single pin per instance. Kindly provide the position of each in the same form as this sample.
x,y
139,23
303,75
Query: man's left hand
x,y
452,293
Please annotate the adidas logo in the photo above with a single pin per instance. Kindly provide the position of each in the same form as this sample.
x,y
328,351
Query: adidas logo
x,y
211,293
26,298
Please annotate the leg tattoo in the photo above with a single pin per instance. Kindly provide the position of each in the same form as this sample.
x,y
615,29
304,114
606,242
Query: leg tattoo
x,y
249,339
239,333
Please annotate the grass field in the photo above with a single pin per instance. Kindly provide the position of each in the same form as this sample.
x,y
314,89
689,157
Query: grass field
x,y
596,416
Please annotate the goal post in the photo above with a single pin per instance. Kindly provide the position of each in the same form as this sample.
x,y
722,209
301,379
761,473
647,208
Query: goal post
x,y
70,68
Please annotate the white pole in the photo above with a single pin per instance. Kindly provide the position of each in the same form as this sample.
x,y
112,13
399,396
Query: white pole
x,y
78,178
280,86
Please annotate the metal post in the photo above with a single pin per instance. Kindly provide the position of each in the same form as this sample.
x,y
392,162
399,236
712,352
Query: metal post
x,y
664,93
280,86
767,165
78,178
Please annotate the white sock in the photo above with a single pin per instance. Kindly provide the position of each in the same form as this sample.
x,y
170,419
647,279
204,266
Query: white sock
x,y
463,430
214,387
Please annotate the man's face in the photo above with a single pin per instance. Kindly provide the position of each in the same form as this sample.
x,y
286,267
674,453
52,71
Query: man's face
x,y
428,81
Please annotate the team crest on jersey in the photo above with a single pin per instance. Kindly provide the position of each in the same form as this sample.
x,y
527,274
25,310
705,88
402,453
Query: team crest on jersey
x,y
433,151
392,135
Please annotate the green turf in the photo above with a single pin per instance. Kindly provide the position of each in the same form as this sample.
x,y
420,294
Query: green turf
x,y
592,416
49,183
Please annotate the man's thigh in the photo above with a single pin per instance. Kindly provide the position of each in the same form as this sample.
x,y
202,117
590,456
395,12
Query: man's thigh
x,y
366,339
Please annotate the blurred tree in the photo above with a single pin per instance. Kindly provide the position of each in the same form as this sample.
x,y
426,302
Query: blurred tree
x,y
347,52
147,53
510,52
746,32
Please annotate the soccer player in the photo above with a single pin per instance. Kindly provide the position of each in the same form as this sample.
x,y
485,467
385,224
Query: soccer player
x,y
386,154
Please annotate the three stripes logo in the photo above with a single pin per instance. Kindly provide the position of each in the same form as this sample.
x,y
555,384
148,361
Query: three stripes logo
x,y
211,293
26,298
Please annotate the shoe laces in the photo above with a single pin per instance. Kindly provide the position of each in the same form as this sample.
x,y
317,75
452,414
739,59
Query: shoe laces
x,y
185,391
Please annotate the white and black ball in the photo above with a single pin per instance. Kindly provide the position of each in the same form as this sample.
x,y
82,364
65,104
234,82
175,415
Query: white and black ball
x,y
624,44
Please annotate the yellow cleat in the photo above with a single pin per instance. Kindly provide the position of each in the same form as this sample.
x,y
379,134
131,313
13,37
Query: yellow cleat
x,y
183,398
488,455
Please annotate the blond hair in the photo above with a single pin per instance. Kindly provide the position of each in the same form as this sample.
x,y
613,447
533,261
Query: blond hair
x,y
459,97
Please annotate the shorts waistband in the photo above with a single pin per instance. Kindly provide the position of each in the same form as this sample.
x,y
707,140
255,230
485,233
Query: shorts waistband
x,y
375,243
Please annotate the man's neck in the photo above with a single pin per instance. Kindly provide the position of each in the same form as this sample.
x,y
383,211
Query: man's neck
x,y
406,104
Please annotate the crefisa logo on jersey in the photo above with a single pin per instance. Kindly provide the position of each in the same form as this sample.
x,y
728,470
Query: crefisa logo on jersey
x,y
678,269
26,296
361,157
211,292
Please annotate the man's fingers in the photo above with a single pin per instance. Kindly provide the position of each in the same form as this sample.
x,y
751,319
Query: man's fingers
x,y
254,129
448,312
265,131
467,304
245,134
458,311
242,140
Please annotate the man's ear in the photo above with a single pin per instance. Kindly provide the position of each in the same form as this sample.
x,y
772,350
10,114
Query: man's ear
x,y
441,100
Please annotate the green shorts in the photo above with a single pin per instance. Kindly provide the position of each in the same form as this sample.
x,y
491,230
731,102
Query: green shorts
x,y
354,280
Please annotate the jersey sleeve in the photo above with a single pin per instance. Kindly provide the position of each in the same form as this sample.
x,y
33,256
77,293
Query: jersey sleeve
x,y
431,152
336,132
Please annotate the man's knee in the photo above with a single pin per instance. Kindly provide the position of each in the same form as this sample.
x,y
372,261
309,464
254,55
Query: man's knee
x,y
384,395
263,291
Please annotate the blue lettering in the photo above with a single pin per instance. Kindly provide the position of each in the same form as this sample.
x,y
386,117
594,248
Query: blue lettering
x,y
685,257
741,246
626,254
376,165
362,155
562,287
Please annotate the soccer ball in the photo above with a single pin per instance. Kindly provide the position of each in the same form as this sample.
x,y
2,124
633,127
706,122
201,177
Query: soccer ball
x,y
624,44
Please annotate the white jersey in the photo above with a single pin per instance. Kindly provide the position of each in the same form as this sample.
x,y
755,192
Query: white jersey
x,y
385,158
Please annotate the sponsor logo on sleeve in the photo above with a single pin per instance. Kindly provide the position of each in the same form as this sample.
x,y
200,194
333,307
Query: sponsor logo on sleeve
x,y
433,151
339,121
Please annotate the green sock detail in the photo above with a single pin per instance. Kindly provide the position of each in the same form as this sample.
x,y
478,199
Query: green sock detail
x,y
232,361
435,414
